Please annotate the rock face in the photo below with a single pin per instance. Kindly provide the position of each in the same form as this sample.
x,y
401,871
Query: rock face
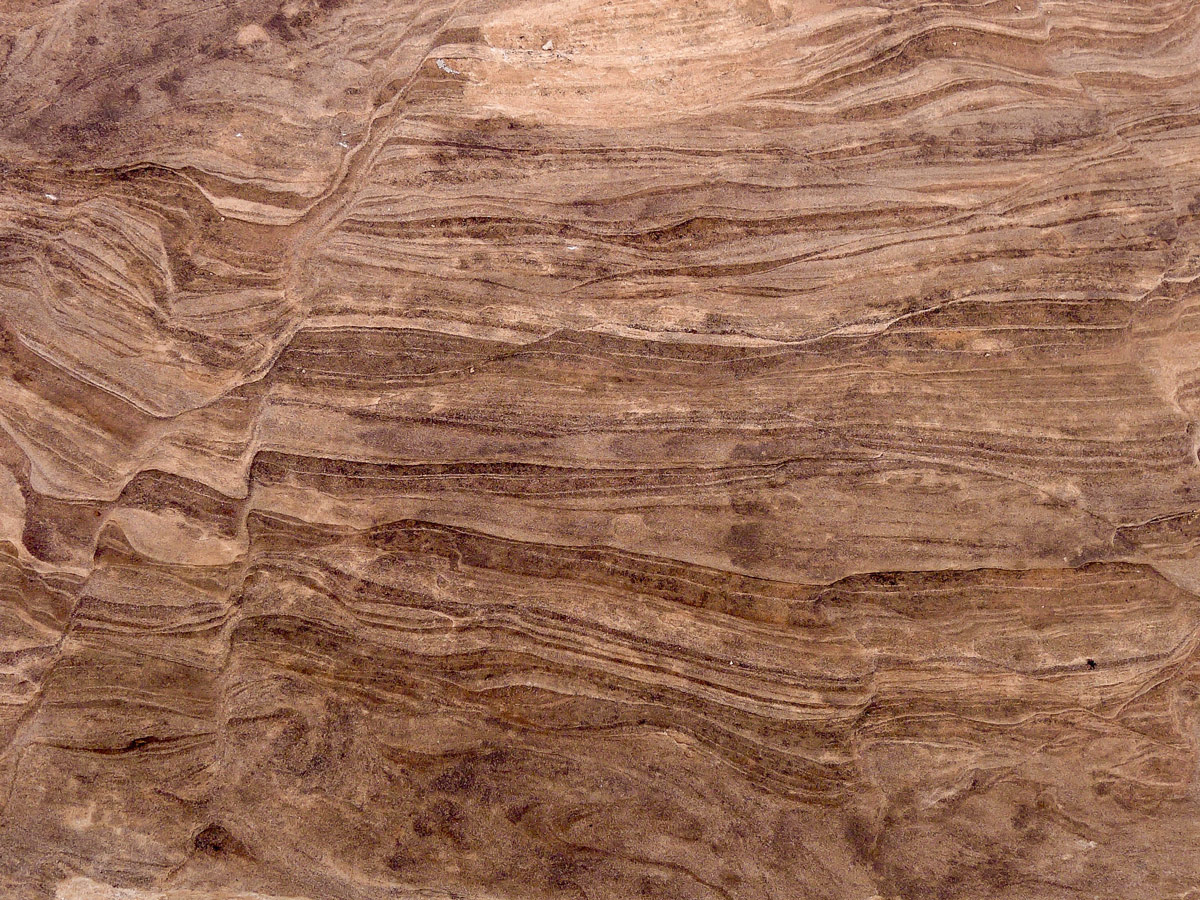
x,y
504,449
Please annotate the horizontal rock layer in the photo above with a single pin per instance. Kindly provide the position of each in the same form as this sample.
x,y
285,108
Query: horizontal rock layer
x,y
606,448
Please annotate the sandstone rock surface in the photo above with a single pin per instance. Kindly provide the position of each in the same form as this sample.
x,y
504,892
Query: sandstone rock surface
x,y
508,449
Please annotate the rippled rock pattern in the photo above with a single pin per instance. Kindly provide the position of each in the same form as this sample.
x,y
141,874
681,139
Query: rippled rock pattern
x,y
505,450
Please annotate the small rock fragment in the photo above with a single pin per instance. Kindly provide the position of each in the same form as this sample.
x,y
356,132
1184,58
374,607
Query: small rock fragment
x,y
248,35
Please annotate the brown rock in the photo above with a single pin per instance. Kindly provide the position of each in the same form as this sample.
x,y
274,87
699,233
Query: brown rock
x,y
649,449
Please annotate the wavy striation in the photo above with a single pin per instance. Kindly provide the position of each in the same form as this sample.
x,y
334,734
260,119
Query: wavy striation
x,y
599,448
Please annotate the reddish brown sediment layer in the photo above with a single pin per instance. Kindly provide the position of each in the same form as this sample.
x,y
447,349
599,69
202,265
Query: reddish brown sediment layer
x,y
599,449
